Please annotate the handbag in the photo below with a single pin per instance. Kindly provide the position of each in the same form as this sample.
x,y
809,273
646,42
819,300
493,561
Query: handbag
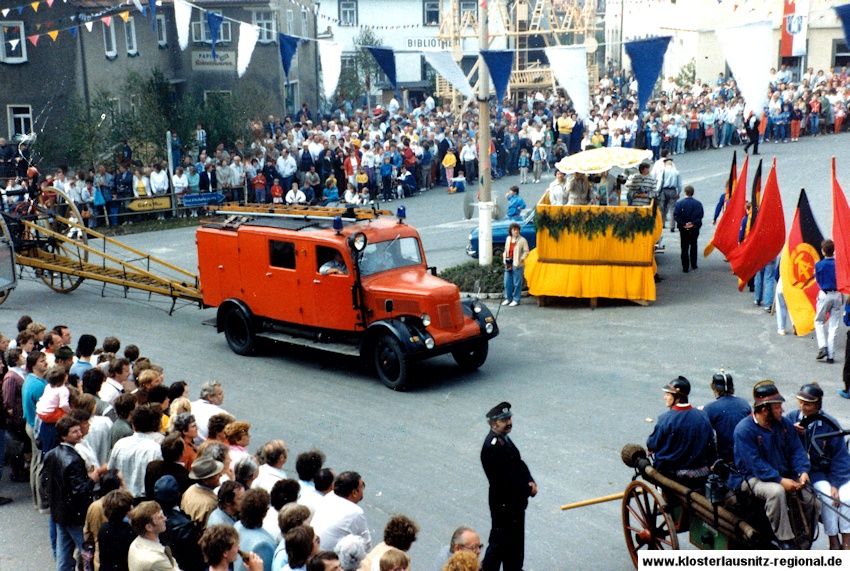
x,y
98,198
709,132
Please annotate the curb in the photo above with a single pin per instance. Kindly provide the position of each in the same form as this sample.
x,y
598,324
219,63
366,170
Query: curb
x,y
483,295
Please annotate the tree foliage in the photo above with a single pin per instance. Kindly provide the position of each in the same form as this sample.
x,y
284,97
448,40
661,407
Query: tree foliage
x,y
687,75
352,79
151,108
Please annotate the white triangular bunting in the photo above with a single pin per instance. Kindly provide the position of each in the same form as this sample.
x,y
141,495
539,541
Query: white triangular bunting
x,y
330,55
183,18
248,36
5,12
89,26
15,43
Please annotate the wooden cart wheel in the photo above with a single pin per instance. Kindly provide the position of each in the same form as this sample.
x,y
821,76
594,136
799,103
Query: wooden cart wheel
x,y
62,206
645,523
4,295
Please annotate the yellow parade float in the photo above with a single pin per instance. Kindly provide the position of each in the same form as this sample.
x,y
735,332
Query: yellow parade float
x,y
595,251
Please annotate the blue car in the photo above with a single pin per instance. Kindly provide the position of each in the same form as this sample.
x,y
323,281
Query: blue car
x,y
500,234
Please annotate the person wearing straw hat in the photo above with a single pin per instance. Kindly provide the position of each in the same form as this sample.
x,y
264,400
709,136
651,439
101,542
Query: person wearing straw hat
x,y
830,462
771,461
200,500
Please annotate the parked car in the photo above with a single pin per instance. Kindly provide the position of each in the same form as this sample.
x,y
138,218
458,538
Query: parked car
x,y
500,234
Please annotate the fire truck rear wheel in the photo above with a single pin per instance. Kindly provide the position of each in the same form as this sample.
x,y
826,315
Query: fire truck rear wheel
x,y
390,362
239,332
471,359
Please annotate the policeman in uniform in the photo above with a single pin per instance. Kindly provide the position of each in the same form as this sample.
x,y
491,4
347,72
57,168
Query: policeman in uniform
x,y
683,440
771,462
724,414
511,485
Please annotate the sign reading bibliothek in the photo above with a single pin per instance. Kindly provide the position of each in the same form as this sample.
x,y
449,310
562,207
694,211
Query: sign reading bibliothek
x,y
204,61
427,43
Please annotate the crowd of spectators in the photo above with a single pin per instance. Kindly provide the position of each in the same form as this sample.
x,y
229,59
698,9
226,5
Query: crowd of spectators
x,y
357,155
136,476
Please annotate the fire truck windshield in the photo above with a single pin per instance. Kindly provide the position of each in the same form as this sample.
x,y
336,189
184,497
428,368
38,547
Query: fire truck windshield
x,y
388,255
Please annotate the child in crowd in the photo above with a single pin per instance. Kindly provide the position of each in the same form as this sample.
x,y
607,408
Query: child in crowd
x,y
277,192
615,139
387,178
523,162
362,180
259,184
597,140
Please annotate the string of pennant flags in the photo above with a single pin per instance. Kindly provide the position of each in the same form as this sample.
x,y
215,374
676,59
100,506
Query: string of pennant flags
x,y
747,49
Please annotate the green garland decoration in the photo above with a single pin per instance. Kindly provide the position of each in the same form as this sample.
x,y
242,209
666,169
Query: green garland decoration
x,y
625,226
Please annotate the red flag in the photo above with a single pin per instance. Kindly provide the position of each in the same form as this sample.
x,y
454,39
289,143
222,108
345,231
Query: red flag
x,y
726,234
840,234
766,238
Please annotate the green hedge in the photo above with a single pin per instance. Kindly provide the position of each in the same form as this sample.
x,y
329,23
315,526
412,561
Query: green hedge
x,y
624,225
464,276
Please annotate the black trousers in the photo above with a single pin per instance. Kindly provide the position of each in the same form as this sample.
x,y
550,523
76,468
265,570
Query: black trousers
x,y
689,238
753,134
847,363
506,546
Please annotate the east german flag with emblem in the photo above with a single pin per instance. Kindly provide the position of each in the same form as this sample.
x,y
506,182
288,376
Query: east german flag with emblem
x,y
797,267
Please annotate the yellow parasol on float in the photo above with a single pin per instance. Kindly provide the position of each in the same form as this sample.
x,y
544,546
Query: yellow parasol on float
x,y
595,161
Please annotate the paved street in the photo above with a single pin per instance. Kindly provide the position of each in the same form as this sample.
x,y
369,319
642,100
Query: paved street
x,y
582,382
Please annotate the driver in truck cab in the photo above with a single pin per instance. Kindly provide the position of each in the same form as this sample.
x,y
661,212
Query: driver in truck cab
x,y
334,267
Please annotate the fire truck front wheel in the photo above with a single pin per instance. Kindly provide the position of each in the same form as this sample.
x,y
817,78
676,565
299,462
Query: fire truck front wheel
x,y
239,332
471,358
390,362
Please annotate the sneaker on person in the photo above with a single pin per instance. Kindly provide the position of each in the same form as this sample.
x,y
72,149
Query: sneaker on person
x,y
513,304
506,302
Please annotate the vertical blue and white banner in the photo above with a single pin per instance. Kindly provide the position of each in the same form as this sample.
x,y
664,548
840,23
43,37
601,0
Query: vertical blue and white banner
x,y
386,61
288,47
500,63
647,58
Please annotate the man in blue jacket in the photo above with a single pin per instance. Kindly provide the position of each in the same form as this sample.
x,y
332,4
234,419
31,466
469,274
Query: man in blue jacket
x,y
771,461
688,214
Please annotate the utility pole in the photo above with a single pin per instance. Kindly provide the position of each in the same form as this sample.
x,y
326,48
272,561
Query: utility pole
x,y
485,203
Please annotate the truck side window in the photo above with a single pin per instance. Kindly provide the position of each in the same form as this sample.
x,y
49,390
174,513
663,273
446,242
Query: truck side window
x,y
282,254
330,261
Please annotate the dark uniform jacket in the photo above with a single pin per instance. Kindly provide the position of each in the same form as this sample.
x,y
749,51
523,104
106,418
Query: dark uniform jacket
x,y
508,475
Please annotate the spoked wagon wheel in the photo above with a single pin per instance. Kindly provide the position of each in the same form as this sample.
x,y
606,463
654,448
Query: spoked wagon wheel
x,y
645,523
64,249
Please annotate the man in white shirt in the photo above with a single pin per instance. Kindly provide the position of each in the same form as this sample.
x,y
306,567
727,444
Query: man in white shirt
x,y
146,552
274,456
212,395
308,465
119,373
131,455
339,515
286,166
237,178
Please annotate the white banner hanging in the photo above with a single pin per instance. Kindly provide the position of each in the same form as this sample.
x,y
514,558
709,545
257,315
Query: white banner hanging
x,y
443,63
183,19
569,64
14,43
748,52
248,36
330,55
89,26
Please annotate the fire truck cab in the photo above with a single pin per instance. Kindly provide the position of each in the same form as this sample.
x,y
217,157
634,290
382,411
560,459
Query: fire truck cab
x,y
357,287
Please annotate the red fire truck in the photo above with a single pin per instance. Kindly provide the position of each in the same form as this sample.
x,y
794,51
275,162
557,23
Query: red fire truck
x,y
353,282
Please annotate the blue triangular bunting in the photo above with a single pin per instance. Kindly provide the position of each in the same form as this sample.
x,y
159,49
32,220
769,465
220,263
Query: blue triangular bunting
x,y
500,63
288,47
214,20
647,58
152,4
843,13
386,61
73,31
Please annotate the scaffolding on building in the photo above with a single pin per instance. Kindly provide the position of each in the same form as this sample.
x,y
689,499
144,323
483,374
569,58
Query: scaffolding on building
x,y
525,26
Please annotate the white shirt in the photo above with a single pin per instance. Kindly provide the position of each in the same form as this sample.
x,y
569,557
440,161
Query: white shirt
x,y
270,523
337,517
267,478
159,182
110,390
308,496
286,166
203,411
295,197
181,183
557,192
132,455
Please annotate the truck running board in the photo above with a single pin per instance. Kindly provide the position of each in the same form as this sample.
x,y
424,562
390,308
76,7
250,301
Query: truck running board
x,y
340,348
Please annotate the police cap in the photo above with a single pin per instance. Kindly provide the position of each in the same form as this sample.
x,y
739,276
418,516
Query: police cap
x,y
501,411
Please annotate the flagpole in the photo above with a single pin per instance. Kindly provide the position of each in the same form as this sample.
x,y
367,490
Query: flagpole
x,y
485,204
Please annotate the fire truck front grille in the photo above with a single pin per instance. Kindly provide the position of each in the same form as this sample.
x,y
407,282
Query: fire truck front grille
x,y
450,316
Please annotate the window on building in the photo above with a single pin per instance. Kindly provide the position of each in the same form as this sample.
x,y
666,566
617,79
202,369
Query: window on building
x,y
201,30
291,96
841,53
109,46
130,36
115,105
282,254
305,23
268,26
13,44
431,16
161,37
20,120
135,102
468,6
290,23
348,12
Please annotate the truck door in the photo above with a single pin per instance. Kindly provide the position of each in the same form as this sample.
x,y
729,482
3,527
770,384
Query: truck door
x,y
332,290
269,277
